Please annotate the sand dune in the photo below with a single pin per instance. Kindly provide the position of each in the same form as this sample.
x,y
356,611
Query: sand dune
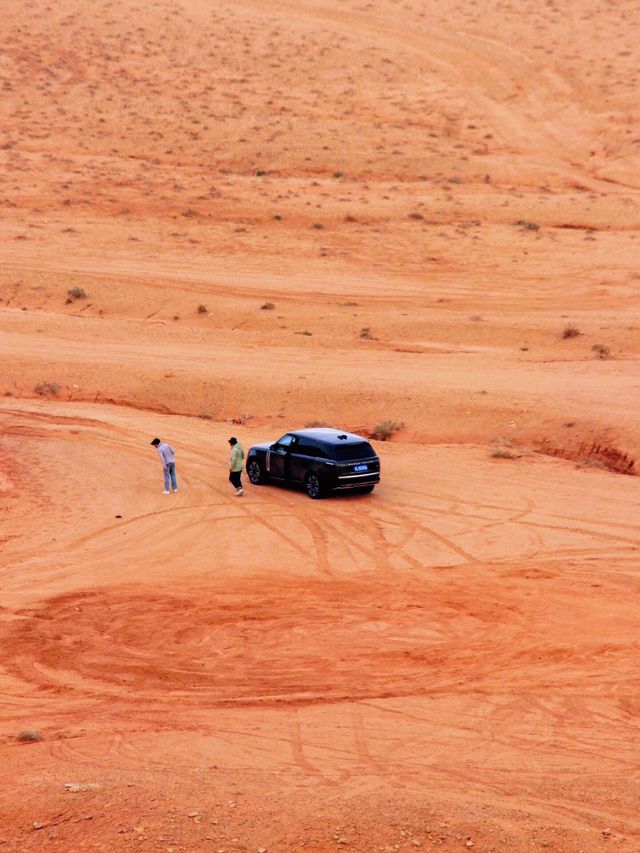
x,y
245,217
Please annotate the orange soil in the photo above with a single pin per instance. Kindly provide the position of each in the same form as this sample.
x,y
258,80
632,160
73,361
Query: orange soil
x,y
450,662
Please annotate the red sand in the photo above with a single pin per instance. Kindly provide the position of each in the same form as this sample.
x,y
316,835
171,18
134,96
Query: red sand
x,y
451,662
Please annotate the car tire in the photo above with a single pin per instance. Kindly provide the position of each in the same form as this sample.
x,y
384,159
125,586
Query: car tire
x,y
255,473
313,485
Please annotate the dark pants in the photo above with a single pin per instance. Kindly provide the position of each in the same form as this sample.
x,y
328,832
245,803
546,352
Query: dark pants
x,y
234,479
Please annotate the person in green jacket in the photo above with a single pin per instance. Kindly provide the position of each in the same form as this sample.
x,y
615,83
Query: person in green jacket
x,y
236,464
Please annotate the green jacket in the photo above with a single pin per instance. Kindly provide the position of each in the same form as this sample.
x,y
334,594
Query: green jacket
x,y
236,458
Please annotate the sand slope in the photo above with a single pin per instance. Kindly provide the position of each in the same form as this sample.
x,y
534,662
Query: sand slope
x,y
342,212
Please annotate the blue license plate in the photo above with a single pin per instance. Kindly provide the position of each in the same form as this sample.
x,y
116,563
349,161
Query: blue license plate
x,y
360,467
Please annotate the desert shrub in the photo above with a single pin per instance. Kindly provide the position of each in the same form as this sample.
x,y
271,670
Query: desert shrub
x,y
570,332
267,306
205,416
385,430
527,226
338,174
318,226
278,217
601,350
416,215
47,389
317,425
365,334
29,736
76,293
202,309
503,453
260,173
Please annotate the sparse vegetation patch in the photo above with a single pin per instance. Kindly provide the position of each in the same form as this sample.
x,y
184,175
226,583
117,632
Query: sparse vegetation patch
x,y
503,453
601,350
76,293
570,332
47,389
29,736
385,430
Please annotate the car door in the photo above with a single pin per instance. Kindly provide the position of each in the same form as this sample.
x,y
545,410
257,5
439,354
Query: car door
x,y
277,457
301,457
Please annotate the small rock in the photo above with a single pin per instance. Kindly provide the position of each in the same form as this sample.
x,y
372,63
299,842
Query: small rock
x,y
262,850
38,824
469,842
193,814
606,832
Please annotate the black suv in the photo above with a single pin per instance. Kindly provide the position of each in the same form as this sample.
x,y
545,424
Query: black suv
x,y
323,460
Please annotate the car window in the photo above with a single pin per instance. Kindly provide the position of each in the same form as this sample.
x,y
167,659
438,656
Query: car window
x,y
286,440
353,450
310,450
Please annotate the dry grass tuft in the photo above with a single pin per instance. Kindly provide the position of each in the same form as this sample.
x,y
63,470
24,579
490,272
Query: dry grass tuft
x,y
570,332
29,736
76,293
385,430
503,453
47,389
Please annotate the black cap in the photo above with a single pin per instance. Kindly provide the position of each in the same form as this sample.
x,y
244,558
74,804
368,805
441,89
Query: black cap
x,y
232,440
155,442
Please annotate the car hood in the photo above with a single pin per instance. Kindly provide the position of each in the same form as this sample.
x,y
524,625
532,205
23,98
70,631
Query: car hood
x,y
266,446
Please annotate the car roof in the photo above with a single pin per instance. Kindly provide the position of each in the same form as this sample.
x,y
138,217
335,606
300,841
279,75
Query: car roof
x,y
328,435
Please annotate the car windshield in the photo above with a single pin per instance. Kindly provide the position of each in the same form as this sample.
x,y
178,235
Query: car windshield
x,y
361,450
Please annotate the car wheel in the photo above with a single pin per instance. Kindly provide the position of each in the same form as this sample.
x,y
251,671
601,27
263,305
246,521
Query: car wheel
x,y
255,472
313,486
